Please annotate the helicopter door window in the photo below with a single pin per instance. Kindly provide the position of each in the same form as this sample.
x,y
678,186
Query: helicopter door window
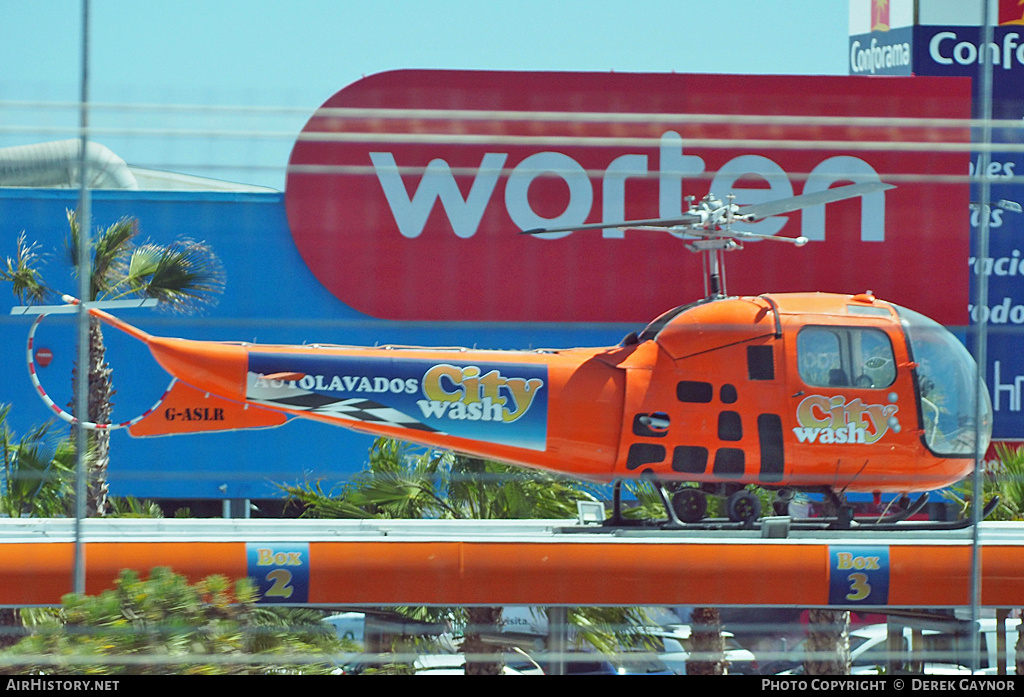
x,y
873,359
818,356
845,357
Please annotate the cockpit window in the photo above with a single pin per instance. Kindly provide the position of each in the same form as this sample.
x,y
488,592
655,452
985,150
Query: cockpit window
x,y
947,381
845,357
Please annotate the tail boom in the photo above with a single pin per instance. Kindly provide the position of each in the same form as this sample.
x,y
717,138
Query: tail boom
x,y
555,409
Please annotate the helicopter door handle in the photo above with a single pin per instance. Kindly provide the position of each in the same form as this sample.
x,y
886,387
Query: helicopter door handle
x,y
658,421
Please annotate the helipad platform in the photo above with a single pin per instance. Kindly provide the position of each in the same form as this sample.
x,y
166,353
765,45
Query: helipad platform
x,y
535,562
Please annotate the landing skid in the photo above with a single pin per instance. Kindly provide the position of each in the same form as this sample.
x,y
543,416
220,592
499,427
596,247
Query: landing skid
x,y
687,507
744,517
892,523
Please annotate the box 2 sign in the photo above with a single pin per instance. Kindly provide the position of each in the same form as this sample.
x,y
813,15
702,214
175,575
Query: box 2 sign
x,y
414,215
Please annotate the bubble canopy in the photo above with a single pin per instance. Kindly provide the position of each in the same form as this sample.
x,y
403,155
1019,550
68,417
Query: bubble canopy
x,y
948,387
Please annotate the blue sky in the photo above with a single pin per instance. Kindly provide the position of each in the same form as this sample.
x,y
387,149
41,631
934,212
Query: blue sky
x,y
288,56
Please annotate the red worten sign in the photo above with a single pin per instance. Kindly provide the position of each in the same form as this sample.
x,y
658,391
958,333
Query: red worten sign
x,y
407,190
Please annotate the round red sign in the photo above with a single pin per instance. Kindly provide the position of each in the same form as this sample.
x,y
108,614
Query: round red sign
x,y
44,356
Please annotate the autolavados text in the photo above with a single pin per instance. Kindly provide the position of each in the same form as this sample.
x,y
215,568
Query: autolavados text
x,y
345,383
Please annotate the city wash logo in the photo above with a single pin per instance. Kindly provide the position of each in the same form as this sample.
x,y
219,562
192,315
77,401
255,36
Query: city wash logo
x,y
833,420
467,393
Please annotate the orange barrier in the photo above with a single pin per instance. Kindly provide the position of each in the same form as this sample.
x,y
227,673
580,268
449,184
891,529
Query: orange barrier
x,y
571,570
564,573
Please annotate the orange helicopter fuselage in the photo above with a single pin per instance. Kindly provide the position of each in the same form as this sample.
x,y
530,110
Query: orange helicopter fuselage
x,y
808,391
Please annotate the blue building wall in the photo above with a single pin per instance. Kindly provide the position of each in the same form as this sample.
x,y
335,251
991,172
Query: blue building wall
x,y
271,297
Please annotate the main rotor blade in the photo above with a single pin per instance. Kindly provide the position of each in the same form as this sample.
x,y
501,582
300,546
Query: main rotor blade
x,y
686,219
786,205
755,211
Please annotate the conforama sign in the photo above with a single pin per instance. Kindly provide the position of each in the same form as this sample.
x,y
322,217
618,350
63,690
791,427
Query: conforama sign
x,y
407,190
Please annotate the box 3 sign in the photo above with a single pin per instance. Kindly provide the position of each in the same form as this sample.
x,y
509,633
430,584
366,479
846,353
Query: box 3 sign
x,y
407,189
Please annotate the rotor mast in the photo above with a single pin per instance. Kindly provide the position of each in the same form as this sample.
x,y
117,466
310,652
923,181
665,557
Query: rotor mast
x,y
707,225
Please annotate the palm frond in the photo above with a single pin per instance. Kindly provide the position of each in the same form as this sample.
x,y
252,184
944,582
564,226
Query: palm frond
x,y
110,252
402,481
71,246
142,263
1010,477
22,271
609,629
316,503
110,249
35,486
37,476
182,276
648,503
1005,480
131,507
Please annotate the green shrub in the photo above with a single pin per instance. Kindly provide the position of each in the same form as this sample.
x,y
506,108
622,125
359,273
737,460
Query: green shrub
x,y
163,625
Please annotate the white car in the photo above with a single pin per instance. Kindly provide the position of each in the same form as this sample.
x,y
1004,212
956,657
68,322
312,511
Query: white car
x,y
516,663
676,645
348,625
937,651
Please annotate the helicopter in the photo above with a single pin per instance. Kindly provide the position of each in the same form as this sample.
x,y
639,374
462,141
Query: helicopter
x,y
810,392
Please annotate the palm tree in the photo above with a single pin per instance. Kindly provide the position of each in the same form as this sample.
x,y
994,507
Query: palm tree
x,y
37,474
402,481
35,481
1005,480
708,656
828,642
181,276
